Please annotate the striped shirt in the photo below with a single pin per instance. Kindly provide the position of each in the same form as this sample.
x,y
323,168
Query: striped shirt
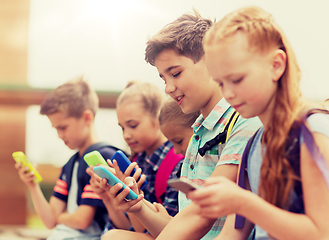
x,y
197,168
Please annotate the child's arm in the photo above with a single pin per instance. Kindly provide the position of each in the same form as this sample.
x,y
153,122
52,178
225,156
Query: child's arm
x,y
282,224
80,219
194,225
188,224
48,212
230,233
142,210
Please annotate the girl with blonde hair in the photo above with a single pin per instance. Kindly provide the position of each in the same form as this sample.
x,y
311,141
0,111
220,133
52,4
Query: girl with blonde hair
x,y
250,58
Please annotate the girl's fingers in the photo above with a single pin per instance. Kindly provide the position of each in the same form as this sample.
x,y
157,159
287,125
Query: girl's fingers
x,y
130,169
119,197
141,181
114,192
117,170
131,183
103,184
199,194
137,173
109,163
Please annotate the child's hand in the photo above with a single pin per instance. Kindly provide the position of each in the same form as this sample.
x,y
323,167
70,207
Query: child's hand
x,y
130,168
162,211
25,175
119,200
217,198
98,185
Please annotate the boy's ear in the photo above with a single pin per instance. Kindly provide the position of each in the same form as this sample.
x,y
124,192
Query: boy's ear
x,y
88,116
279,62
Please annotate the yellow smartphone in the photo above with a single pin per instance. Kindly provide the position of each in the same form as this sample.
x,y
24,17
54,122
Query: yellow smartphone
x,y
21,158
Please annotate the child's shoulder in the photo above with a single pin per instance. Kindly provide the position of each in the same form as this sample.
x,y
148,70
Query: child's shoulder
x,y
249,124
319,122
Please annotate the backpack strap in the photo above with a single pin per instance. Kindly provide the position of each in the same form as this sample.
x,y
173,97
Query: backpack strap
x,y
222,137
293,156
314,150
100,145
165,169
239,220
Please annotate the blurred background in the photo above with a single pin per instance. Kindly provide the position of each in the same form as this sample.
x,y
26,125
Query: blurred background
x,y
45,43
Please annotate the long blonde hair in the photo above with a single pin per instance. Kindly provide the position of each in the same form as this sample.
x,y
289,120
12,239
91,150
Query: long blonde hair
x,y
277,176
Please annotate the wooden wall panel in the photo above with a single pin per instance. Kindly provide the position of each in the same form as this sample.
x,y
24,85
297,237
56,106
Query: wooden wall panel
x,y
14,21
13,195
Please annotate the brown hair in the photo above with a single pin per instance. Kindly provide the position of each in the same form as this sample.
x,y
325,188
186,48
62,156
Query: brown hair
x,y
72,98
171,112
150,95
277,176
185,35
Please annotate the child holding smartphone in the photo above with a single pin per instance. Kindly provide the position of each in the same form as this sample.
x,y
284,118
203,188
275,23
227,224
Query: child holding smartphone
x,y
251,59
137,109
74,210
176,125
177,53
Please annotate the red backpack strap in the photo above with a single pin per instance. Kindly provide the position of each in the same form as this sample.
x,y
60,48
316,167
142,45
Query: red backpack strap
x,y
165,169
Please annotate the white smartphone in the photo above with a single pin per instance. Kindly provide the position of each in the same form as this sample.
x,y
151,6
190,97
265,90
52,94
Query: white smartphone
x,y
182,184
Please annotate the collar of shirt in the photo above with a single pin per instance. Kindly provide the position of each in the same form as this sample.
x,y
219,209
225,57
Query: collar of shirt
x,y
156,158
209,123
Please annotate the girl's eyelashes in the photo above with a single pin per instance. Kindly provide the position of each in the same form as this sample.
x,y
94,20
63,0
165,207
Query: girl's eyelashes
x,y
238,80
179,141
130,126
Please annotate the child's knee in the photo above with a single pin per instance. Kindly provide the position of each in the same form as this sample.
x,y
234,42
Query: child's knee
x,y
112,234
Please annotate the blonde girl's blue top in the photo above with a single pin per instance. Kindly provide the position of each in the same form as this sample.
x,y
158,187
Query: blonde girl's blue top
x,y
197,168
317,123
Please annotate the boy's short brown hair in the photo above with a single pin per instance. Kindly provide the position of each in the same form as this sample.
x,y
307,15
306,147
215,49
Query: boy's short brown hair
x,y
185,35
72,98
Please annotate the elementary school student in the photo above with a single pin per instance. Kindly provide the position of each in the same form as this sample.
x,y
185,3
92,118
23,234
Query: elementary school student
x,y
176,125
74,210
287,162
137,108
177,53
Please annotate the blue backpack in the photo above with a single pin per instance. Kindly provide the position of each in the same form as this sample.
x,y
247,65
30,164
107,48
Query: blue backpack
x,y
293,156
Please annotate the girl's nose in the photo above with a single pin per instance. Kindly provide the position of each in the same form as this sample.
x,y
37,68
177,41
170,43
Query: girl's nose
x,y
126,135
178,150
228,92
